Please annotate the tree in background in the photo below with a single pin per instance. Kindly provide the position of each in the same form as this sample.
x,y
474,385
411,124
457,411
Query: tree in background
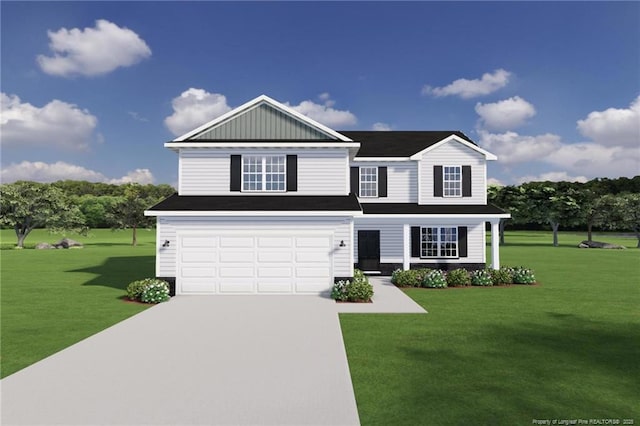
x,y
553,204
628,213
25,206
128,210
509,198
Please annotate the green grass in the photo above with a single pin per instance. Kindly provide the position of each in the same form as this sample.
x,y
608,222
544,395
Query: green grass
x,y
54,298
566,349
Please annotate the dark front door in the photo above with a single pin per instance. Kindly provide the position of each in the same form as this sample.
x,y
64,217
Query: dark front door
x,y
369,250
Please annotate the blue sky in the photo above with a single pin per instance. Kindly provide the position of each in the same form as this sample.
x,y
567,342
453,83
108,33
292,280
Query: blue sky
x,y
91,90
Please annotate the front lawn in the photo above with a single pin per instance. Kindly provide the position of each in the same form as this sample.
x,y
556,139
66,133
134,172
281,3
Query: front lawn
x,y
54,298
566,349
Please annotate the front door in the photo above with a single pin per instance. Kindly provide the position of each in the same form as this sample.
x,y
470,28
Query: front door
x,y
369,250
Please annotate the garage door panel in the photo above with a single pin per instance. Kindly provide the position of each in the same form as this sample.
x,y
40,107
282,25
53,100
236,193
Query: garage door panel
x,y
313,242
199,285
198,272
199,256
275,242
309,285
240,271
311,257
312,272
274,285
236,256
199,242
277,256
235,285
229,242
285,271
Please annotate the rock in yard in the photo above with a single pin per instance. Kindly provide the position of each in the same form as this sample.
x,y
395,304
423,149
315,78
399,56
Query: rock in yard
x,y
599,244
66,243
44,246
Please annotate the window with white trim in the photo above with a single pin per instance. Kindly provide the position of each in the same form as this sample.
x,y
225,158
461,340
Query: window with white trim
x,y
368,182
263,172
452,181
438,241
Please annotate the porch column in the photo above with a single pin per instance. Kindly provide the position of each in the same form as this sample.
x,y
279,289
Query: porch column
x,y
406,247
495,244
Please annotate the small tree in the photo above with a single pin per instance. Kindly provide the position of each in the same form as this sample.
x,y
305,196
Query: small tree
x,y
25,206
128,211
544,203
599,211
628,213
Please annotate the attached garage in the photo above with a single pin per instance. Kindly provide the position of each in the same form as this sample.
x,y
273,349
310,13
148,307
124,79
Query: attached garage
x,y
262,262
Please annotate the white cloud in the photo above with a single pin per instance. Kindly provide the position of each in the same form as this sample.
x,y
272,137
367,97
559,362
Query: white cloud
x,y
325,113
381,127
596,160
494,182
136,116
467,89
193,108
613,126
511,147
57,124
92,51
45,172
552,177
506,114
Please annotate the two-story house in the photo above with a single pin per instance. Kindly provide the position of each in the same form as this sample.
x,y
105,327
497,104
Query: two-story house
x,y
271,201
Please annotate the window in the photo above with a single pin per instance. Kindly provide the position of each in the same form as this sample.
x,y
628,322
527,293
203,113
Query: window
x,y
439,241
263,173
368,181
452,181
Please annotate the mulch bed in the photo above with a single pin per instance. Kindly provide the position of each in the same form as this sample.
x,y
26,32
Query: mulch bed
x,y
134,302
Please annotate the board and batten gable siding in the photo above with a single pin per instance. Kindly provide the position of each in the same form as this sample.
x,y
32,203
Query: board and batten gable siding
x,y
402,181
392,243
453,154
206,171
168,228
263,122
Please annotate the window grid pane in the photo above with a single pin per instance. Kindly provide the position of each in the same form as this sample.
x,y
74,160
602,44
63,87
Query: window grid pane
x,y
439,242
263,173
452,181
368,181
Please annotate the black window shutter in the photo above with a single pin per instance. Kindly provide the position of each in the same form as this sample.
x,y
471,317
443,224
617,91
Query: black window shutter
x,y
462,241
292,172
355,180
466,181
236,173
415,241
382,181
437,181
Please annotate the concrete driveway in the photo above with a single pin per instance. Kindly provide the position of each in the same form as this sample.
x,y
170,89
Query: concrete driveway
x,y
224,360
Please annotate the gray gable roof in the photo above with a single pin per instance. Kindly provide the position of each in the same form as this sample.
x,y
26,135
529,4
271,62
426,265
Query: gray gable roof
x,y
398,144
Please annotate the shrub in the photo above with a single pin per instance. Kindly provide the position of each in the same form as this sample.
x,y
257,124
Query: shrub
x,y
152,287
434,278
502,276
359,289
481,277
155,292
339,291
458,278
523,275
409,278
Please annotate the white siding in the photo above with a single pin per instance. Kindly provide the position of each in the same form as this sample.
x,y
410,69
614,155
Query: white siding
x,y
207,171
340,227
453,154
391,238
402,181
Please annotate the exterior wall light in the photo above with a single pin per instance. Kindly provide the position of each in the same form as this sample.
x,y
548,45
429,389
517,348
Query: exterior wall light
x,y
342,244
166,243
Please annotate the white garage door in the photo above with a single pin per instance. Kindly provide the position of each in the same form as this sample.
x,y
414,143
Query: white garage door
x,y
267,262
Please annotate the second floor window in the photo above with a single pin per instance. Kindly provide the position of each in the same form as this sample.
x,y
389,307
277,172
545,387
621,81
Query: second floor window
x,y
263,173
452,181
368,181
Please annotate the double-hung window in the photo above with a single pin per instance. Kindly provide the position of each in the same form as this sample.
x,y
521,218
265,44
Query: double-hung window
x,y
439,241
368,182
452,181
263,172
